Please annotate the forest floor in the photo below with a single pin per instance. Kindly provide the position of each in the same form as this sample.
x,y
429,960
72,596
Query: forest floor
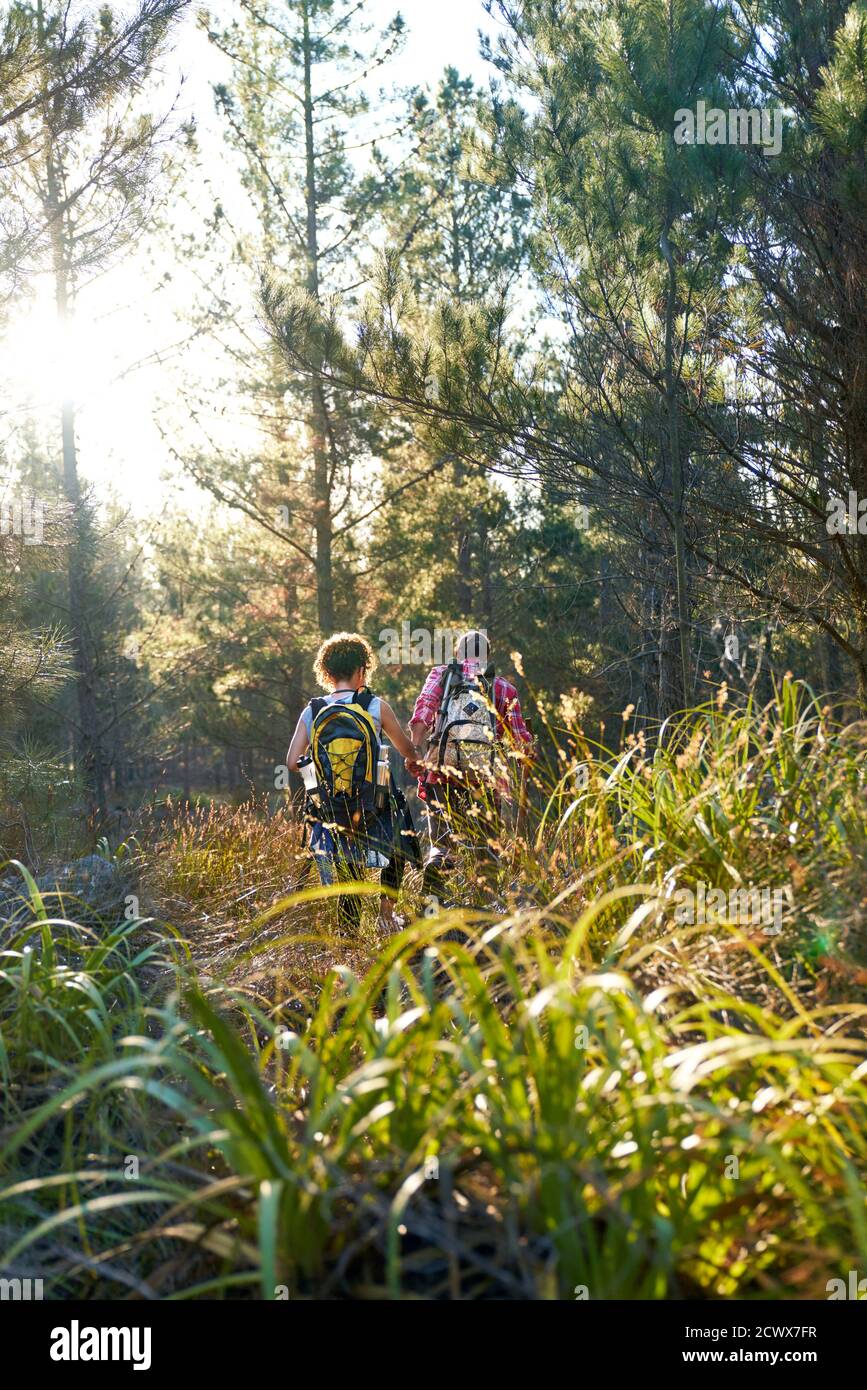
x,y
580,1089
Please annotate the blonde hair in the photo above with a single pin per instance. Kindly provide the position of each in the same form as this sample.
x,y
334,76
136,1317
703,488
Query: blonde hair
x,y
340,657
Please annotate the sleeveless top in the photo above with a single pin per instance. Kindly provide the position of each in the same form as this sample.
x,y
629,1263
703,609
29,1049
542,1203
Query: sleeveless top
x,y
374,709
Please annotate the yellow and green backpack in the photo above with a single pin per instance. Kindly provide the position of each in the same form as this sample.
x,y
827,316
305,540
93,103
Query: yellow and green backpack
x,y
344,746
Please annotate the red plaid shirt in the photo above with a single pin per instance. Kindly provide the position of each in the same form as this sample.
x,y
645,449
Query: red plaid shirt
x,y
511,728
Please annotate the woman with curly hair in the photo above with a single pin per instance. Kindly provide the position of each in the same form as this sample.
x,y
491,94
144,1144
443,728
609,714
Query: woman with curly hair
x,y
342,666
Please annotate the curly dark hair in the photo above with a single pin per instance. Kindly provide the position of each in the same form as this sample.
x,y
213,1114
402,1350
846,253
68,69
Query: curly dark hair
x,y
340,657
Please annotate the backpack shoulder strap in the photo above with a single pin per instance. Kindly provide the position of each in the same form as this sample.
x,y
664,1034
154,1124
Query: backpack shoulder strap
x,y
364,697
317,704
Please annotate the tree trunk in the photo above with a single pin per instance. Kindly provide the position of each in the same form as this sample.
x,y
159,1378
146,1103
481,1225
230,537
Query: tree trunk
x,y
89,753
860,664
318,427
675,469
661,662
672,406
486,584
605,608
463,557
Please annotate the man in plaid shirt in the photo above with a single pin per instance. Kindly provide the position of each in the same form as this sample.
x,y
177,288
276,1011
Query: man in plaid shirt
x,y
453,811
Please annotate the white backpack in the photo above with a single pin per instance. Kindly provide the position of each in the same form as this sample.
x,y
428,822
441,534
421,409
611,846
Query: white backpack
x,y
466,741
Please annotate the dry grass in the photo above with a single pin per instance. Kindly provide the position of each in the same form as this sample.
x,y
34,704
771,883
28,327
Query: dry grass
x,y
581,1091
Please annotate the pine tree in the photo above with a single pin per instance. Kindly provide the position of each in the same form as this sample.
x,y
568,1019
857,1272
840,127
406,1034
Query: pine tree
x,y
292,111
629,253
805,245
456,230
76,174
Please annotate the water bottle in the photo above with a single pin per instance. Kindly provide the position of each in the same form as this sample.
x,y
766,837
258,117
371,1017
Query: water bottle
x,y
308,775
383,777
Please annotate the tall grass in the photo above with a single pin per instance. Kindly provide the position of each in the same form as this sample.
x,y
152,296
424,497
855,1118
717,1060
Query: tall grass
x,y
733,797
579,1097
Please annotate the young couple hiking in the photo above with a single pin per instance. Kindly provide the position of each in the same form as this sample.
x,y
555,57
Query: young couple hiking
x,y
465,723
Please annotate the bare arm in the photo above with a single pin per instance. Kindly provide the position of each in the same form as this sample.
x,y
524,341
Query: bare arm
x,y
392,728
418,733
299,745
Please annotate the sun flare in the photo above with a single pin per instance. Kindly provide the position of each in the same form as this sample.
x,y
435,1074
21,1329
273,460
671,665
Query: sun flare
x,y
47,362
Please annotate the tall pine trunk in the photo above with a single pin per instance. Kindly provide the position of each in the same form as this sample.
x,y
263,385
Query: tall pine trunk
x,y
322,519
675,472
87,743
